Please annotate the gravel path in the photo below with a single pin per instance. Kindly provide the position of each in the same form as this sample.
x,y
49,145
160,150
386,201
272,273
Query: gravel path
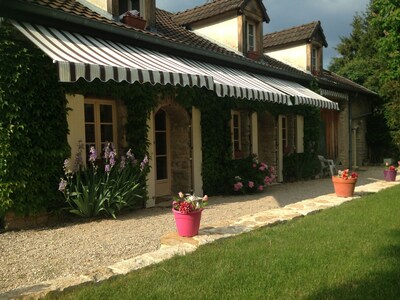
x,y
32,256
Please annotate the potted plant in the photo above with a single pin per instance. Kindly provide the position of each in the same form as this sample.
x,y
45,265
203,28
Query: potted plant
x,y
344,183
187,211
390,172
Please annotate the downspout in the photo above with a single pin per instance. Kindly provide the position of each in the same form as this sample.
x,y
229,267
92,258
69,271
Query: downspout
x,y
350,121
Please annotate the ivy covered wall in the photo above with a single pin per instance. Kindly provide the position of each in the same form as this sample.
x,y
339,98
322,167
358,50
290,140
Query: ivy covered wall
x,y
33,127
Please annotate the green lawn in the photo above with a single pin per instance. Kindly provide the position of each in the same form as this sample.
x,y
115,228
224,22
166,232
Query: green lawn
x,y
348,252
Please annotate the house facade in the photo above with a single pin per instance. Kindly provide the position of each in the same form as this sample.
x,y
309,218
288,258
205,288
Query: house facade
x,y
344,131
215,49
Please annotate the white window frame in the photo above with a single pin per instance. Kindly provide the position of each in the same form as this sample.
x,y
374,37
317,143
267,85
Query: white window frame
x,y
239,128
314,58
299,133
97,124
252,37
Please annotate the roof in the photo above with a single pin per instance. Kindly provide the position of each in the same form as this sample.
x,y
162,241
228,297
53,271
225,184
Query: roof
x,y
214,8
294,34
168,30
341,82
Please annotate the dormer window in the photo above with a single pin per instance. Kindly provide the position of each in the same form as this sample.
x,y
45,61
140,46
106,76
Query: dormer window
x,y
314,59
251,37
127,5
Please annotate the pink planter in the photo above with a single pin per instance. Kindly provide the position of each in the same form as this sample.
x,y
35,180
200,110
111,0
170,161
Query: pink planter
x,y
187,224
390,175
344,187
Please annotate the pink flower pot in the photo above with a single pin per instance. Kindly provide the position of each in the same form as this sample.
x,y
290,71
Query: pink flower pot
x,y
390,175
344,187
187,224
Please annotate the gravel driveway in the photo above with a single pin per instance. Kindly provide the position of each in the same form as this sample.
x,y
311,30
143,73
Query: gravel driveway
x,y
32,256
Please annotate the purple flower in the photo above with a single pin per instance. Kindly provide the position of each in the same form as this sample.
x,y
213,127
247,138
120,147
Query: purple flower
x,y
112,158
62,185
107,168
144,162
129,155
93,154
107,151
122,163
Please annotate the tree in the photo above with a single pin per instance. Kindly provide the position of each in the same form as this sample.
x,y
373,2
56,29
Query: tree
x,y
365,59
386,19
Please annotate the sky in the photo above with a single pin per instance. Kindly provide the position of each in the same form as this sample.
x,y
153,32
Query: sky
x,y
336,16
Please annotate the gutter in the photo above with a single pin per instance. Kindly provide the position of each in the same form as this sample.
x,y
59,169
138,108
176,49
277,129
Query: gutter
x,y
25,11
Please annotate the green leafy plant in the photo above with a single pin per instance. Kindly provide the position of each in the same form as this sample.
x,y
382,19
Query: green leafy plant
x,y
91,190
251,176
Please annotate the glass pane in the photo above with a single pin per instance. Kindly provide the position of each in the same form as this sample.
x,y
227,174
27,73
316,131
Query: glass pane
x,y
235,121
105,113
161,165
161,143
235,134
236,146
107,133
89,133
160,120
89,113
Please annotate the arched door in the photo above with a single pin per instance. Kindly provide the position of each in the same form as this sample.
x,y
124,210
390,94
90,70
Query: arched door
x,y
162,154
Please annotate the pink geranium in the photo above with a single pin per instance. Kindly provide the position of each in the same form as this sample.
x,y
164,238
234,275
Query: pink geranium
x,y
251,184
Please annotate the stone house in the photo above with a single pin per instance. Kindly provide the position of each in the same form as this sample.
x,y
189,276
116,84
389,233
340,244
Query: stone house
x,y
344,131
91,40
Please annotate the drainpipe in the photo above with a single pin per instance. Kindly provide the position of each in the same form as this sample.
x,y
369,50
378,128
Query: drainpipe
x,y
350,135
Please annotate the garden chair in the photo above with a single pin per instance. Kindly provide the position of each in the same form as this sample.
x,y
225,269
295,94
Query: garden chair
x,y
327,166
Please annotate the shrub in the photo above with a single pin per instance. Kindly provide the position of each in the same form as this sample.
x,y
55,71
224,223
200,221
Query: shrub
x,y
91,190
251,176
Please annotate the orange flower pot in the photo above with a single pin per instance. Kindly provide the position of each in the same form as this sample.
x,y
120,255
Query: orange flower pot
x,y
344,187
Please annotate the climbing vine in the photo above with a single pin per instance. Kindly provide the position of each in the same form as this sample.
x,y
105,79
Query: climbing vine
x,y
33,127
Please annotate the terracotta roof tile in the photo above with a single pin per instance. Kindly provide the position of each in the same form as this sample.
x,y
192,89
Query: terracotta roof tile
x,y
293,34
334,79
166,28
212,9
206,11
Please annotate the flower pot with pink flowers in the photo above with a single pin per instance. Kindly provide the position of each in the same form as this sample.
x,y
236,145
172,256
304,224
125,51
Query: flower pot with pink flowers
x,y
344,183
390,172
187,211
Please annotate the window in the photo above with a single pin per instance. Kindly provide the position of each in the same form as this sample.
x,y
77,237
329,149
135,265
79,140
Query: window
x,y
125,5
299,133
314,59
284,133
236,134
100,124
161,145
251,37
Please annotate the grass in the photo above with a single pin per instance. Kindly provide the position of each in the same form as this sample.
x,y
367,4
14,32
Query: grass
x,y
347,252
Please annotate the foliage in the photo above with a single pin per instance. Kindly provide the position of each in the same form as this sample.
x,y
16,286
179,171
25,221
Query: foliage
x,y
216,148
378,137
300,166
91,191
376,36
33,127
251,176
186,204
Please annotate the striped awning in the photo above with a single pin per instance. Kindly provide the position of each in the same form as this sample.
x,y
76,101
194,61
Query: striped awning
x,y
300,94
83,56
240,84
334,94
